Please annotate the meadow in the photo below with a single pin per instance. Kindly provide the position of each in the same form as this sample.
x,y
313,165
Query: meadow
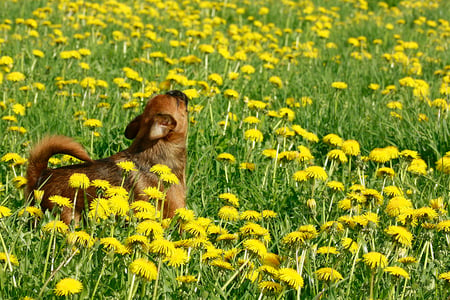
x,y
318,148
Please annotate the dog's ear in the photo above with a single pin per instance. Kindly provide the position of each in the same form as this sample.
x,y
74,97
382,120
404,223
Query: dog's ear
x,y
133,128
161,126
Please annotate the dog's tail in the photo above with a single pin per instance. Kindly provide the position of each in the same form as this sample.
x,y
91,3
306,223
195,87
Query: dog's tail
x,y
48,147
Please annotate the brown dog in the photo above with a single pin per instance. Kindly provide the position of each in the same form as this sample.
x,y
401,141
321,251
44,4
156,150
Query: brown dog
x,y
159,135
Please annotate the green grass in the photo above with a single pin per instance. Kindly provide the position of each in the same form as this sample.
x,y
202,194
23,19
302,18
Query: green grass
x,y
280,44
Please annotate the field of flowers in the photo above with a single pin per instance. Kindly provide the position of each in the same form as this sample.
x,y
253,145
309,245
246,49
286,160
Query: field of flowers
x,y
318,149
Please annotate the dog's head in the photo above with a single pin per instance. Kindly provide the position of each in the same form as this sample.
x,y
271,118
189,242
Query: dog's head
x,y
165,117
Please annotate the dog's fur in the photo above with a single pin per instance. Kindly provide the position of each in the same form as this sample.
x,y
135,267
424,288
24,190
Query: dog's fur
x,y
159,137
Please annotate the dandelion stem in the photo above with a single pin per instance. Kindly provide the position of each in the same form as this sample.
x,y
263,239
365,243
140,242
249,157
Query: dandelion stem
x,y
404,289
372,277
8,260
155,290
234,275
352,270
98,280
56,271
131,293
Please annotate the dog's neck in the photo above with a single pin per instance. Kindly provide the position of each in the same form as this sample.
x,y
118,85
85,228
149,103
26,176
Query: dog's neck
x,y
162,152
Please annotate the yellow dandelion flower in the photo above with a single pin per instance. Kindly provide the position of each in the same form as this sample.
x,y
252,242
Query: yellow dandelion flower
x,y
270,287
227,237
251,228
336,186
255,246
375,260
294,239
300,176
137,240
194,228
57,226
113,244
144,268
150,228
221,264
61,201
256,104
379,155
253,135
162,246
445,276
385,172
351,147
267,214
19,109
169,178
226,157
339,85
186,279
92,123
79,181
338,155
418,166
231,94
350,245
185,214
228,213
443,226
276,81
251,120
160,169
327,250
81,239
426,213
443,164
304,154
231,198
216,78
373,196
331,226
118,205
247,166
271,259
143,206
178,258
31,211
250,215
9,258
397,272
15,77
68,286
290,277
154,193
400,234
99,208
287,113
316,172
100,184
127,166
407,260
333,140
248,69
397,205
392,191
328,274
4,212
